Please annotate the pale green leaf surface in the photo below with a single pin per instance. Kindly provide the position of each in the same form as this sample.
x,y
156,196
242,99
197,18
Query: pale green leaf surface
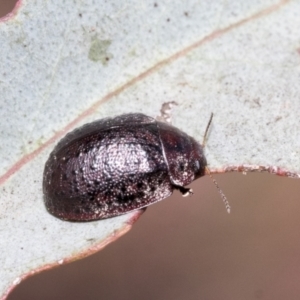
x,y
62,66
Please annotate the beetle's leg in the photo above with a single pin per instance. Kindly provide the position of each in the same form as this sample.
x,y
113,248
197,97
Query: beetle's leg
x,y
165,112
184,191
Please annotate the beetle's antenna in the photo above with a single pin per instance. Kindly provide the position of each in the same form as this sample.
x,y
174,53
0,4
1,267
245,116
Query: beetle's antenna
x,y
207,169
206,130
224,198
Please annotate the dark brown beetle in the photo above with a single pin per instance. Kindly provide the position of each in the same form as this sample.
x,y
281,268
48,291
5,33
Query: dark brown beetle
x,y
113,166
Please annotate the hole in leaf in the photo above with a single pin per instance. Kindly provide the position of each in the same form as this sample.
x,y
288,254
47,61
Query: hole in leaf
x,y
6,7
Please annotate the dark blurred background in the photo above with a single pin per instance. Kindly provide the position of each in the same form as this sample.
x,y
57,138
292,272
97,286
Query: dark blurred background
x,y
190,248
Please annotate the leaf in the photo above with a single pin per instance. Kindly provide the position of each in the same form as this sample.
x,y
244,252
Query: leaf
x,y
65,66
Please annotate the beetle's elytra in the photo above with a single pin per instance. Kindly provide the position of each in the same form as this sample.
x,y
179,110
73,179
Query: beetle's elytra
x,y
112,166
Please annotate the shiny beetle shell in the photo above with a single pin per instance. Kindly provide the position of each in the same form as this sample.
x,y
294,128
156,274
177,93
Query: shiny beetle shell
x,y
113,166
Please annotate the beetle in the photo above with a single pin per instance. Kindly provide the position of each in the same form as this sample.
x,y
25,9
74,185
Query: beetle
x,y
115,165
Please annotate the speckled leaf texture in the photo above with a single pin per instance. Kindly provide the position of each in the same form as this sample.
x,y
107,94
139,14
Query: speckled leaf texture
x,y
64,64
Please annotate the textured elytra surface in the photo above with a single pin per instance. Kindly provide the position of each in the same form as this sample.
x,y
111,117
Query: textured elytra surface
x,y
116,165
106,171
